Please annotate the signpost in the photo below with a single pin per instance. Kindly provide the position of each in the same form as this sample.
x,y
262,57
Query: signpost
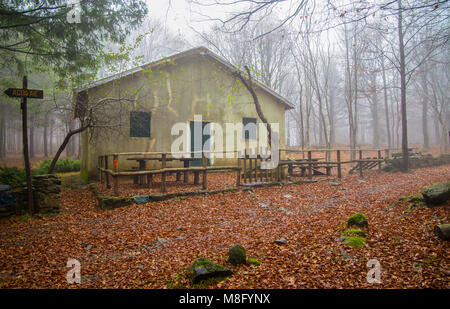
x,y
25,93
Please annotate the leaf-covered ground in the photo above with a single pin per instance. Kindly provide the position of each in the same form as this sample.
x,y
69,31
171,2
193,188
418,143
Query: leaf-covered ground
x,y
120,248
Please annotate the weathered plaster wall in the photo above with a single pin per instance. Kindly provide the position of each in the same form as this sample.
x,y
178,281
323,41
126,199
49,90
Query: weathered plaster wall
x,y
173,93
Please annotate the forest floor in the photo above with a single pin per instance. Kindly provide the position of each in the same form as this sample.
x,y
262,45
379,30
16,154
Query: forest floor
x,y
152,245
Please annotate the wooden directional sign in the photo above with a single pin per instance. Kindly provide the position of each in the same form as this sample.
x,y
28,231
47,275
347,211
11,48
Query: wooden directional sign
x,y
24,93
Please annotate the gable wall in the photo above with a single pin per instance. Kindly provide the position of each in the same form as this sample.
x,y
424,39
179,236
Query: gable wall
x,y
174,93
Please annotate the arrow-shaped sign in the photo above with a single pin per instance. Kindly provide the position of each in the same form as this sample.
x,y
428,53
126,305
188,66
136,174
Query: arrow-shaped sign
x,y
24,93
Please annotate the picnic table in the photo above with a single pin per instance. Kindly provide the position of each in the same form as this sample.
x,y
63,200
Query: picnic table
x,y
141,179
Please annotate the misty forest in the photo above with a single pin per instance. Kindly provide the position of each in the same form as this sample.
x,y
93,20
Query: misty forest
x,y
93,196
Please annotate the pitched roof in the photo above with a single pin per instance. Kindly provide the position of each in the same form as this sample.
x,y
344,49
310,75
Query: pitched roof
x,y
194,51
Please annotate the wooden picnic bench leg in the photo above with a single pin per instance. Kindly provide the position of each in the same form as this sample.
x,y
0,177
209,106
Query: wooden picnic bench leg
x,y
186,173
178,176
141,168
196,177
204,163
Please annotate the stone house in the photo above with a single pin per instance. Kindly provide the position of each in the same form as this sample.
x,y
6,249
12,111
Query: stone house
x,y
175,89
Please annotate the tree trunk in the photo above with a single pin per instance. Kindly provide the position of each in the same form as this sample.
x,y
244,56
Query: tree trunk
x,y
2,134
386,107
403,89
45,136
426,140
63,146
32,148
249,86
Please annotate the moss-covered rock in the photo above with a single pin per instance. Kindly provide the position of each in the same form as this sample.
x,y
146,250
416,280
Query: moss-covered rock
x,y
354,232
437,193
114,202
237,255
355,242
203,269
359,220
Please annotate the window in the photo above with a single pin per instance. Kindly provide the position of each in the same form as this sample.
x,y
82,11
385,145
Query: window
x,y
140,124
249,129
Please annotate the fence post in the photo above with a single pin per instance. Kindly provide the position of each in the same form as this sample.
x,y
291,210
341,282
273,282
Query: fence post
x,y
100,164
204,163
379,158
116,178
238,176
163,175
360,164
338,154
108,184
309,164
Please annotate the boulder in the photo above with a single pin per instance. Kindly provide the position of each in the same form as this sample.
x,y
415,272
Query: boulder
x,y
442,231
237,255
203,269
437,193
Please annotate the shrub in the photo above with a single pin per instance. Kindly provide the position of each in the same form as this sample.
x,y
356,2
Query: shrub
x,y
12,176
62,165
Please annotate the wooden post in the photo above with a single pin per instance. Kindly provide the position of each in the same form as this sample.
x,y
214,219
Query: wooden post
x,y
328,159
238,174
360,163
149,180
116,178
100,164
26,157
250,168
339,168
204,163
163,175
245,165
309,164
279,167
108,184
186,173
379,158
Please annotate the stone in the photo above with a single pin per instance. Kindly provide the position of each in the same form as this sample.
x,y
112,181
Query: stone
x,y
88,247
287,196
179,238
436,194
280,241
359,220
203,269
162,240
263,205
237,255
180,228
334,184
142,199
